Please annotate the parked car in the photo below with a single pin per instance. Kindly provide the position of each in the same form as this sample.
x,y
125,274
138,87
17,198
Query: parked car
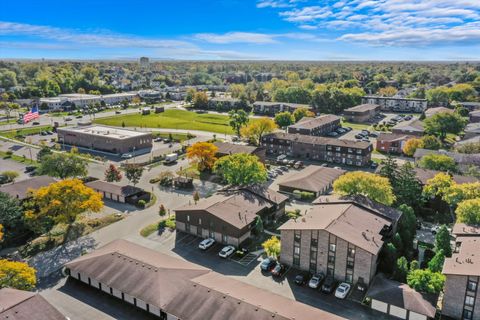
x,y
29,169
329,284
298,164
348,129
281,157
373,135
35,123
342,290
158,139
226,251
374,165
49,132
359,136
278,270
301,279
283,168
435,229
118,112
206,243
340,131
43,133
68,119
332,134
366,139
408,117
126,156
268,264
365,132
316,281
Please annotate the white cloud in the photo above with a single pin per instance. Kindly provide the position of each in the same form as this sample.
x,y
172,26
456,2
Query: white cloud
x,y
236,37
306,14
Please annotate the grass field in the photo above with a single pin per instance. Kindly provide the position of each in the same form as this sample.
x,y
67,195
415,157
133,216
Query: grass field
x,y
356,126
24,132
173,119
179,137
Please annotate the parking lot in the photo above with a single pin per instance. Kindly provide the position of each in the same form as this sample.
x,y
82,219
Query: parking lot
x,y
247,270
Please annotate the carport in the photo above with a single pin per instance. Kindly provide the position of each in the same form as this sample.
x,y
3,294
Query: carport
x,y
123,194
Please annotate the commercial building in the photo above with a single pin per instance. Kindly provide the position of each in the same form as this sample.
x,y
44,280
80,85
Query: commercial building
x,y
272,108
461,298
341,237
112,140
229,215
399,300
413,127
227,148
433,111
318,148
361,113
392,142
21,190
397,104
318,126
315,179
174,289
80,100
25,305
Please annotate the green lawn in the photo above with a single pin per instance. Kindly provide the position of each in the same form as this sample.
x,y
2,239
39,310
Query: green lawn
x,y
24,132
356,126
173,119
180,137
14,157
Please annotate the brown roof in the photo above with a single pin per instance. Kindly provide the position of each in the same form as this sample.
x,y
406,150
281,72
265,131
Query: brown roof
x,y
319,140
311,123
414,125
432,111
237,207
104,186
348,221
363,107
388,136
20,189
312,178
467,260
402,296
24,305
462,229
183,289
423,175
232,148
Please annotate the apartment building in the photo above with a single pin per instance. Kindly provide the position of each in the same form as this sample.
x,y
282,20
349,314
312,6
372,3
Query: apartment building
x,y
397,104
361,113
227,148
341,237
318,148
391,142
318,126
413,127
272,108
461,294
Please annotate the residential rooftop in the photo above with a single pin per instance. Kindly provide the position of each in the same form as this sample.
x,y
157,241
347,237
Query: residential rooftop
x,y
363,108
466,259
25,305
312,178
233,148
20,189
314,140
312,123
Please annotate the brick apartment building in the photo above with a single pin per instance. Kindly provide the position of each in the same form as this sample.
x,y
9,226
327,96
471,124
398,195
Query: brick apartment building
x,y
413,127
227,148
361,113
391,142
339,237
318,148
461,294
397,104
318,126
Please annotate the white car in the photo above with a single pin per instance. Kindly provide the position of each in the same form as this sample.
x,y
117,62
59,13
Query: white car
x,y
226,251
315,281
126,156
342,290
206,243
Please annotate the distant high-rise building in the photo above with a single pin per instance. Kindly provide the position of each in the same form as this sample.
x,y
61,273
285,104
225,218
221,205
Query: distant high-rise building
x,y
144,62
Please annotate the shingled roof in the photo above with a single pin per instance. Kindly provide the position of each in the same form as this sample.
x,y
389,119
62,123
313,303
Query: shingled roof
x,y
25,305
312,178
20,189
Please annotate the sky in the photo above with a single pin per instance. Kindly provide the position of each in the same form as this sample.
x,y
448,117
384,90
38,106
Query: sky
x,y
241,29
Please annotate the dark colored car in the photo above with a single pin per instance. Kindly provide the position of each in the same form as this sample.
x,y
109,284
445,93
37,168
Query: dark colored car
x,y
30,169
359,136
301,279
268,264
329,284
278,270
35,123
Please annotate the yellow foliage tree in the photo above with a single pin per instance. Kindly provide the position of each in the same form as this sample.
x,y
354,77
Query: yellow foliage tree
x,y
387,91
272,247
63,201
372,186
1,233
257,129
412,145
202,155
17,275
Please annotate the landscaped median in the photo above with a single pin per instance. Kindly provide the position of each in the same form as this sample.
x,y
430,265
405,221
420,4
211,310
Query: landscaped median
x,y
157,226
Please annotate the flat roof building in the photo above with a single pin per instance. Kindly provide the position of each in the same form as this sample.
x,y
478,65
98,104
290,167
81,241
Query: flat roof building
x,y
107,139
361,113
272,108
318,126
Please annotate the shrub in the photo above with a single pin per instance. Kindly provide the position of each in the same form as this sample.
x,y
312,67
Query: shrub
x,y
141,203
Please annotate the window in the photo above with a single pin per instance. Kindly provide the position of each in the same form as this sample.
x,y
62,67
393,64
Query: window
x,y
349,278
296,261
199,220
297,236
188,218
332,247
330,271
467,314
469,301
472,285
350,264
331,259
351,252
296,250
314,243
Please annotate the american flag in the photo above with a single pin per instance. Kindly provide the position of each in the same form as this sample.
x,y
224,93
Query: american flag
x,y
31,115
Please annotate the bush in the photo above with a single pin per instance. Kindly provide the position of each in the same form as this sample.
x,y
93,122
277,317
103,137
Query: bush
x,y
168,223
304,195
141,203
293,214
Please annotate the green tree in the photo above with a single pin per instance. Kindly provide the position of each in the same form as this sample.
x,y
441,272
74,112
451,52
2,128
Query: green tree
x,y
284,119
200,100
11,215
407,228
468,212
469,148
196,197
17,275
113,174
63,165
300,113
162,211
238,119
44,151
442,123
133,173
407,188
241,169
436,264
272,247
431,142
10,175
439,162
373,186
389,168
388,258
426,281
457,193
401,270
442,241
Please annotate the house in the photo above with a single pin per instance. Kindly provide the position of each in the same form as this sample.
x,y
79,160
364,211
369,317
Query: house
x,y
272,108
462,271
318,148
433,111
20,190
173,288
341,237
107,139
397,104
230,214
399,300
26,305
314,179
227,148
413,127
392,142
111,191
474,116
472,130
361,113
463,160
471,106
318,126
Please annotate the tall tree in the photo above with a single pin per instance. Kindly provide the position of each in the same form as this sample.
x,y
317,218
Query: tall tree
x,y
426,281
442,123
238,119
17,275
406,186
202,155
241,169
257,129
373,186
436,264
284,119
401,270
468,211
11,215
63,165
200,100
411,145
133,173
272,247
300,113
407,228
439,162
442,241
113,174
388,168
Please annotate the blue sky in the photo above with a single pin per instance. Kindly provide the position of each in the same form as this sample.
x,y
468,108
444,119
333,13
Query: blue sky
x,y
236,29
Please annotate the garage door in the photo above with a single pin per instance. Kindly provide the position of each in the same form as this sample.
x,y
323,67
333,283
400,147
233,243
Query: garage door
x,y
398,312
379,306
